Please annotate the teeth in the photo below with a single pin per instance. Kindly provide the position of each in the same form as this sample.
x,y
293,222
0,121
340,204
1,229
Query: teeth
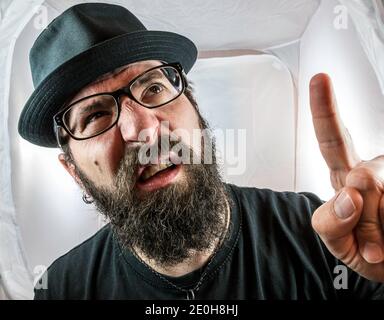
x,y
153,169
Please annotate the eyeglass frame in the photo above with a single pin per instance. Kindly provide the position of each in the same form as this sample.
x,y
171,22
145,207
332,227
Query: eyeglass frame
x,y
126,90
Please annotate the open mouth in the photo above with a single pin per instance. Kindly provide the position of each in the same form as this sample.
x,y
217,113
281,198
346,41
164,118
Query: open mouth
x,y
157,175
153,170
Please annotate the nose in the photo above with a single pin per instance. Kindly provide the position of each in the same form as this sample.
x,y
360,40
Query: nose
x,y
137,123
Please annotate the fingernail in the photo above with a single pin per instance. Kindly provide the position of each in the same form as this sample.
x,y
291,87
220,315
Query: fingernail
x,y
344,206
372,252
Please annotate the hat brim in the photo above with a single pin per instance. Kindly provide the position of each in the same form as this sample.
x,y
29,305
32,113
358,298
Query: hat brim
x,y
36,119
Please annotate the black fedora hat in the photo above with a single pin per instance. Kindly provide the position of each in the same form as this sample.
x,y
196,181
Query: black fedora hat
x,y
83,43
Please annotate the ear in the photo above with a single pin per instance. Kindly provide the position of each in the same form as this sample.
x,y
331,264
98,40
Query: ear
x,y
70,168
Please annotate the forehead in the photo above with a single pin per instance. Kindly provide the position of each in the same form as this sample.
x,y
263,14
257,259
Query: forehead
x,y
115,79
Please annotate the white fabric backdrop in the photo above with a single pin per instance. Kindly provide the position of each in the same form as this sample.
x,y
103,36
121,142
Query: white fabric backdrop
x,y
15,280
221,25
368,18
245,93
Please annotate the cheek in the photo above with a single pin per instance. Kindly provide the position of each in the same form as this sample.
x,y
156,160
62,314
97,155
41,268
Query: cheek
x,y
99,157
112,149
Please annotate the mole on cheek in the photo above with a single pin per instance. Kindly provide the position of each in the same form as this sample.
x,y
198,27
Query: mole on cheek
x,y
97,165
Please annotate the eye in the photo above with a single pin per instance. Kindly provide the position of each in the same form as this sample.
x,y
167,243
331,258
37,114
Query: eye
x,y
94,116
155,88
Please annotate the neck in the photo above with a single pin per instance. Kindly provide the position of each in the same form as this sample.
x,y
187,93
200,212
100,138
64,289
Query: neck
x,y
197,258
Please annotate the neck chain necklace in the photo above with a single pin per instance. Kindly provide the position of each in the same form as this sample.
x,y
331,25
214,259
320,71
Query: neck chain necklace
x,y
190,293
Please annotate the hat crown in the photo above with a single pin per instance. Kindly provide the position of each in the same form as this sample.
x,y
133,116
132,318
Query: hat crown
x,y
76,30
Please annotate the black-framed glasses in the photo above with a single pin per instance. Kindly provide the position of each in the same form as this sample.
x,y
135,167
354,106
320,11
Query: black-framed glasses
x,y
95,114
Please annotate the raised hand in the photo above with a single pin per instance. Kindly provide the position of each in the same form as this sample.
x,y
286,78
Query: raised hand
x,y
351,224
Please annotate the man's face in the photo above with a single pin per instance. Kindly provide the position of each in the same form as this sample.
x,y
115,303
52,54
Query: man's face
x,y
166,216
100,156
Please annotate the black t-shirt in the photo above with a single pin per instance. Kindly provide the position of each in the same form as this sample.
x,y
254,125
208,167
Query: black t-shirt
x,y
271,252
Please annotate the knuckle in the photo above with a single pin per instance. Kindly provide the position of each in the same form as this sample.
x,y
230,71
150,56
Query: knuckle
x,y
369,231
368,227
331,143
349,256
363,177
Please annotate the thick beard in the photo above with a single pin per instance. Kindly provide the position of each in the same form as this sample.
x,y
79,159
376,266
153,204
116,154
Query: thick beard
x,y
170,224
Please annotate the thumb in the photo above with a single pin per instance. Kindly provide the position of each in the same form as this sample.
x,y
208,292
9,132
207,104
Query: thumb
x,y
335,220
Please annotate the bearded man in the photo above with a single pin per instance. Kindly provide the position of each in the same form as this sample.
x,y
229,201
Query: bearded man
x,y
115,98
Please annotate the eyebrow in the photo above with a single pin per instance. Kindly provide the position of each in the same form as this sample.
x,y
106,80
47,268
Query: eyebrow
x,y
149,76
92,106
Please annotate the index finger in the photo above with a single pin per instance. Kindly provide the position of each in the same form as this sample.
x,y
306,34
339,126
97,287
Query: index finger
x,y
334,140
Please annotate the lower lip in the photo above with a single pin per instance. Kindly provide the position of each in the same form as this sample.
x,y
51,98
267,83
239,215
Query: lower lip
x,y
159,180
